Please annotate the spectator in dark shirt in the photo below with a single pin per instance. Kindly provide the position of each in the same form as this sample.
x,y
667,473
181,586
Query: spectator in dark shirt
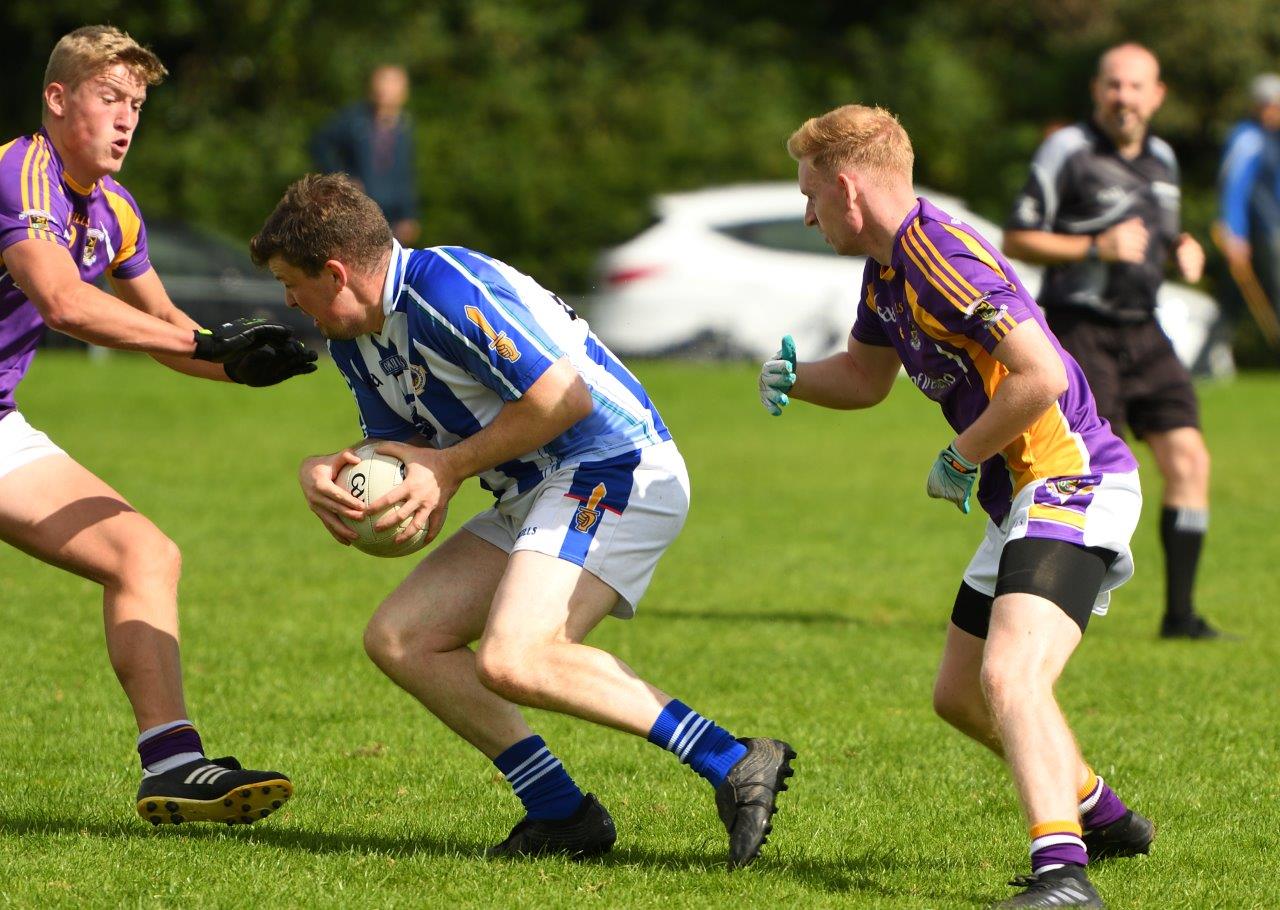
x,y
1101,210
373,142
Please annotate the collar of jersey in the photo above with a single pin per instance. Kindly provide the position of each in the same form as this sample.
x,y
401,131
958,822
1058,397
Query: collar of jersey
x,y
897,256
395,277
56,161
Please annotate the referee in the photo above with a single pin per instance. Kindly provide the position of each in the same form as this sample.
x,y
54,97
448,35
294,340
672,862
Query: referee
x,y
1101,210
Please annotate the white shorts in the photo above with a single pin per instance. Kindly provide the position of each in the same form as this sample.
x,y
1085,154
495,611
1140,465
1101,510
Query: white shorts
x,y
615,518
21,443
1098,511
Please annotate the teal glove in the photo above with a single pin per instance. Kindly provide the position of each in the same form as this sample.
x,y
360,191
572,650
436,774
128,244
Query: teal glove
x,y
952,477
777,376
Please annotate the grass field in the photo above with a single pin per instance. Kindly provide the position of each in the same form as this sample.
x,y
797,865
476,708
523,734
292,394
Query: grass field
x,y
806,599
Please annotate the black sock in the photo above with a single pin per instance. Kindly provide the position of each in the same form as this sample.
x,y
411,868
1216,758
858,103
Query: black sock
x,y
1182,535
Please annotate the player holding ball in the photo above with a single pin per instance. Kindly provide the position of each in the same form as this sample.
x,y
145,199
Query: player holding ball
x,y
463,367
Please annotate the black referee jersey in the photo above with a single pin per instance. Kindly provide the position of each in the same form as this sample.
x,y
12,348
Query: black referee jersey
x,y
1080,184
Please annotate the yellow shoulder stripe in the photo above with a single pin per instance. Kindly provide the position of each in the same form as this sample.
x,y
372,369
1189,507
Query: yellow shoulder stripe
x,y
967,291
940,281
27,161
977,249
130,226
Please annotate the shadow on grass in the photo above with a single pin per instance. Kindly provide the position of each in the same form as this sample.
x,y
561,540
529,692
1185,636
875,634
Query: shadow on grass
x,y
808,618
864,874
285,838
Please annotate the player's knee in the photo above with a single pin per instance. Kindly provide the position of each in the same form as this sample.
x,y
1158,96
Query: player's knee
x,y
146,560
393,640
1004,678
384,641
506,670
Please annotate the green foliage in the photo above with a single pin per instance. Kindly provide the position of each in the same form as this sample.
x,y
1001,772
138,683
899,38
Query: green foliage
x,y
545,126
828,635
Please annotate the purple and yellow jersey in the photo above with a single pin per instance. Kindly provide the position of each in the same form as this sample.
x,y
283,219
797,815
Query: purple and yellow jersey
x,y
100,226
944,303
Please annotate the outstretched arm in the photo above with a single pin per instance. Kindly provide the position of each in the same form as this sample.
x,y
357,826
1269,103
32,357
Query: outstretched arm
x,y
47,275
146,293
858,377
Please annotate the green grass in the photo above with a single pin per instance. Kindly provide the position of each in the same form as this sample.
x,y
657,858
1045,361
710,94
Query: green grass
x,y
807,599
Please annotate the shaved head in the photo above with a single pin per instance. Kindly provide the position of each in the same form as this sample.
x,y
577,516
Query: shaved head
x,y
1127,92
1129,55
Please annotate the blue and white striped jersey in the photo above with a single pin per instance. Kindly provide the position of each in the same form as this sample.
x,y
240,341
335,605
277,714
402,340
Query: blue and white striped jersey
x,y
464,335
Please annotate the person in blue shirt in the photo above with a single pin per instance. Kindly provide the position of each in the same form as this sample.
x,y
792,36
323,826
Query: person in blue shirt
x,y
372,141
1248,228
462,366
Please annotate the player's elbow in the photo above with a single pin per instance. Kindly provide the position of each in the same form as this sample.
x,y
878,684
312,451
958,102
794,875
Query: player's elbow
x,y
62,312
1053,381
577,401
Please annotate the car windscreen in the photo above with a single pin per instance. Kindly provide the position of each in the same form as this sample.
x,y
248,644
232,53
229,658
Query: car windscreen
x,y
177,249
784,234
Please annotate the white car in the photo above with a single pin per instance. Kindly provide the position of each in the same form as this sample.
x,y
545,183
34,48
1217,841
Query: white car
x,y
727,271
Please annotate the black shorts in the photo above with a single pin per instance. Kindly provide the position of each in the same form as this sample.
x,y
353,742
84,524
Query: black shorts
x,y
1136,378
1065,574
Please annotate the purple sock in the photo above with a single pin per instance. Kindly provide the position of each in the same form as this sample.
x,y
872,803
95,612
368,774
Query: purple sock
x,y
1101,807
1056,844
159,744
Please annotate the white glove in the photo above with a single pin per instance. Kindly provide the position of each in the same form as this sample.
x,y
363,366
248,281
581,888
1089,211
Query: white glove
x,y
777,376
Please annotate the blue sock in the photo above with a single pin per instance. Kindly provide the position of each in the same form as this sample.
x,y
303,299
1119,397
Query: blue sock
x,y
539,779
704,746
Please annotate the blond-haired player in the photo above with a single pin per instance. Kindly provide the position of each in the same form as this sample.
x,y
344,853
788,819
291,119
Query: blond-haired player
x,y
65,221
1059,488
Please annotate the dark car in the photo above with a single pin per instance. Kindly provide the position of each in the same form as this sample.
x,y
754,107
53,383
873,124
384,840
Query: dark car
x,y
212,279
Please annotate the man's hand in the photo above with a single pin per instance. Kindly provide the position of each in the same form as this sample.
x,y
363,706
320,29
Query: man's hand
x,y
225,341
318,478
952,478
1123,242
1238,250
429,483
1190,256
271,364
777,376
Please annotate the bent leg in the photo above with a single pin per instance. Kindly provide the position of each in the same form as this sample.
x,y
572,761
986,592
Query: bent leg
x,y
421,633
60,513
532,653
1027,647
957,692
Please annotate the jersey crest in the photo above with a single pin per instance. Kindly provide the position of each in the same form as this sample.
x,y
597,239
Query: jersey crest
x,y
498,341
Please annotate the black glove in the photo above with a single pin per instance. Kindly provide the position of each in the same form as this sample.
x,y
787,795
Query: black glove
x,y
223,342
271,364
